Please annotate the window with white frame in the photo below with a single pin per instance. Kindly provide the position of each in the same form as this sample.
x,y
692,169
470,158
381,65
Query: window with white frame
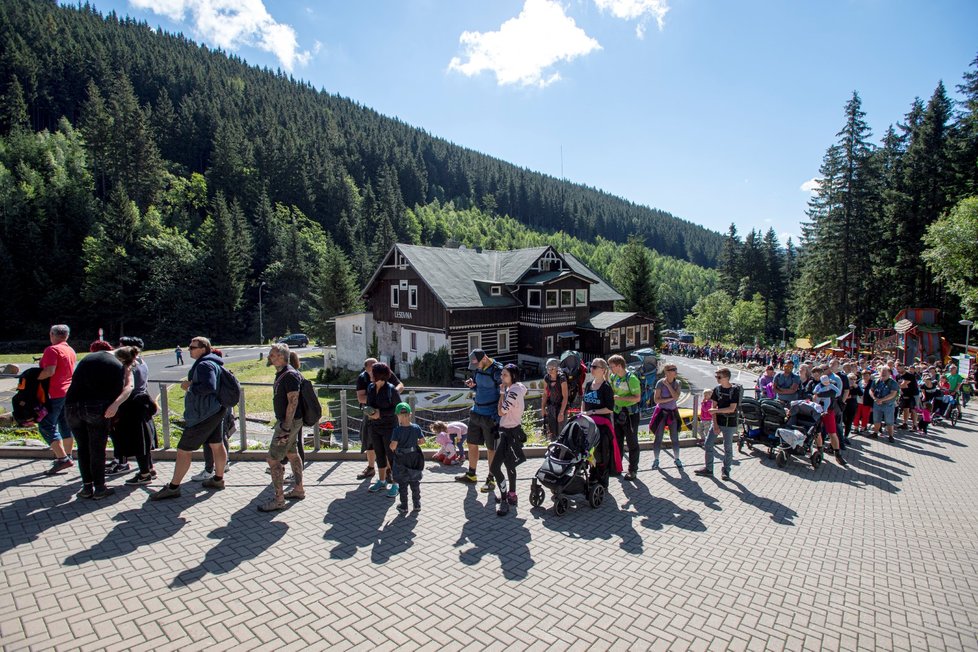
x,y
552,298
502,341
533,298
567,298
431,342
412,296
475,341
581,296
614,338
414,341
630,336
395,296
645,333
550,345
496,290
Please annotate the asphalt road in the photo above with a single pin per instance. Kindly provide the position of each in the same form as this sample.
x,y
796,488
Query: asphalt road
x,y
700,375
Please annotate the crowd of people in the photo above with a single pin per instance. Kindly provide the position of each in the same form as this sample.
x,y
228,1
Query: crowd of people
x,y
104,396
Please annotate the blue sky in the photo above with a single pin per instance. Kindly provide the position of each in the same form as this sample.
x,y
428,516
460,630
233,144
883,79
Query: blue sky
x,y
716,111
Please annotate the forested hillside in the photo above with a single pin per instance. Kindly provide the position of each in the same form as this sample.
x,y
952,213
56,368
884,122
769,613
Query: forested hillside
x,y
140,170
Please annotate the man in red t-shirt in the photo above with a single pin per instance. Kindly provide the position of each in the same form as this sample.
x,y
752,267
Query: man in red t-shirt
x,y
57,365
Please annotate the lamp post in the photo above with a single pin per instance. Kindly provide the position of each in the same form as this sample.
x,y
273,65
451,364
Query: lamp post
x,y
967,323
261,325
852,339
783,329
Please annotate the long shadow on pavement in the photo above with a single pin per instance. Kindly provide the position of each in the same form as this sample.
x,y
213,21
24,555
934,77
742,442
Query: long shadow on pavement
x,y
247,534
355,520
659,513
691,489
505,537
779,512
140,527
396,537
829,471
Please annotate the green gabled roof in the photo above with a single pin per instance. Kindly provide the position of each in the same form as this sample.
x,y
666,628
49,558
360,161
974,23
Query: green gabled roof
x,y
600,291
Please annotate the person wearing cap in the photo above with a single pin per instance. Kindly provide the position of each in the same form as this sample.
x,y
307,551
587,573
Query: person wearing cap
x,y
483,420
553,406
406,441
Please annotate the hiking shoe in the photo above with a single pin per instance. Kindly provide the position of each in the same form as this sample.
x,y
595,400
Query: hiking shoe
x,y
402,508
118,469
139,479
502,508
86,492
203,475
416,508
512,498
392,491
725,475
890,438
377,486
489,486
704,472
213,483
468,478
629,476
366,473
166,492
104,492
59,465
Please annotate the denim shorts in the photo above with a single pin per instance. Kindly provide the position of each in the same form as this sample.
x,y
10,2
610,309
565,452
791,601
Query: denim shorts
x,y
885,414
54,426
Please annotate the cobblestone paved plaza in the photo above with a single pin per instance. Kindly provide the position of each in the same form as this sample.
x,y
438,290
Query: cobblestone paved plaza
x,y
881,556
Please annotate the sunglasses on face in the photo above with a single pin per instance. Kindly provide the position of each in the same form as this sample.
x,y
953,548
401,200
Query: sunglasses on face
x,y
192,346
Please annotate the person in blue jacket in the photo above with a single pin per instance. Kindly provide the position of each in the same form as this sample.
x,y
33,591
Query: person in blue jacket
x,y
483,419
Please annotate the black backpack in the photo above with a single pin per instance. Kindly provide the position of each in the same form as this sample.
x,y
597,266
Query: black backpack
x,y
28,402
228,387
312,409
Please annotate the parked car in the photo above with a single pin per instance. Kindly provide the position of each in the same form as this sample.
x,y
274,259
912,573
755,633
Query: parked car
x,y
297,340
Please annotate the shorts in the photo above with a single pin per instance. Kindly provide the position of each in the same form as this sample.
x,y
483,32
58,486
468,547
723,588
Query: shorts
x,y
885,413
908,402
208,431
285,441
483,431
54,426
828,423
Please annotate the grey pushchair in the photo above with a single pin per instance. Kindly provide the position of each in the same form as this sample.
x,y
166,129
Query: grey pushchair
x,y
566,470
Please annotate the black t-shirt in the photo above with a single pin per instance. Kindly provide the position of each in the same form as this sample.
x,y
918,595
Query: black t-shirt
x,y
98,378
603,397
384,401
286,381
724,397
912,389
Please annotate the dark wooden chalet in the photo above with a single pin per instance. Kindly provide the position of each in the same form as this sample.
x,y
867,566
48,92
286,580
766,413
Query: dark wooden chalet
x,y
521,306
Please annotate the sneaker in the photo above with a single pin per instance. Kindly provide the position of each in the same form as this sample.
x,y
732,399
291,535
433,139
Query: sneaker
x,y
468,478
679,463
704,472
377,486
166,492
725,475
890,438
213,483
86,492
104,492
152,473
203,475
416,508
838,458
502,508
59,465
655,464
138,479
629,476
512,498
366,473
489,486
402,508
118,469
393,490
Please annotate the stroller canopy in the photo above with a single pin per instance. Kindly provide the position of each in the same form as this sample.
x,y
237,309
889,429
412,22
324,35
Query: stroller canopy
x,y
580,435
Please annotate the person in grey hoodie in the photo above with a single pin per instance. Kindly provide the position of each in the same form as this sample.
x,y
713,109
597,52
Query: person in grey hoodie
x,y
509,446
204,417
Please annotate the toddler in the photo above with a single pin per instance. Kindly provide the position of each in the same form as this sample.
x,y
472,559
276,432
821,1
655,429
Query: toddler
x,y
451,437
706,416
406,441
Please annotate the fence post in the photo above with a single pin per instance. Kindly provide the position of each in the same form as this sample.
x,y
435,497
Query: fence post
x,y
696,417
344,421
316,430
165,409
413,402
243,422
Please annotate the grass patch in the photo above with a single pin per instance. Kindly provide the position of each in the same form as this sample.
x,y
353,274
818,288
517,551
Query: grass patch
x,y
11,435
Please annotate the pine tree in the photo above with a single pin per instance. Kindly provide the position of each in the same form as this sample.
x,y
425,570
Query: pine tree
x,y
636,281
223,272
965,137
730,262
13,108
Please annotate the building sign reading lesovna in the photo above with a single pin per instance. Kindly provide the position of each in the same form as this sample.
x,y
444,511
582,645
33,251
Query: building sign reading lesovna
x,y
400,314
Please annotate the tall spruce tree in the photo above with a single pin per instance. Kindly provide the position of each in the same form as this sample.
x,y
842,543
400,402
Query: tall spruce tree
x,y
635,280
730,262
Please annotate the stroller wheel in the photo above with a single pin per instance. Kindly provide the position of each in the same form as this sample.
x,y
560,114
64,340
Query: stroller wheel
x,y
816,459
560,506
781,459
536,495
595,496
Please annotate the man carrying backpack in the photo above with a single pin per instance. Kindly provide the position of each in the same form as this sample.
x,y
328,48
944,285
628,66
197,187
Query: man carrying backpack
x,y
487,376
204,417
288,425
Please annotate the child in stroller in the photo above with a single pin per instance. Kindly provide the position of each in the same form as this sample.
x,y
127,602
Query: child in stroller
x,y
567,469
799,434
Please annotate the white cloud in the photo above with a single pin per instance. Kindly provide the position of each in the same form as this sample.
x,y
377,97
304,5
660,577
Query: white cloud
x,y
229,24
785,236
523,48
641,10
809,186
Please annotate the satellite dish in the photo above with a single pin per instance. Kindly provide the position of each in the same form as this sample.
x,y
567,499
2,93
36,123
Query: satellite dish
x,y
903,326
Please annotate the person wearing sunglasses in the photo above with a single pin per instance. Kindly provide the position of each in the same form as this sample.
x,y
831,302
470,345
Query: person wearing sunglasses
x,y
666,414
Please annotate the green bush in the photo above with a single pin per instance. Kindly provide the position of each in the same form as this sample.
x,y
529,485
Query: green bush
x,y
336,377
435,368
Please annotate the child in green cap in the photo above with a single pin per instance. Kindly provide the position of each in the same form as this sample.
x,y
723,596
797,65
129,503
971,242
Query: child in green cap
x,y
406,441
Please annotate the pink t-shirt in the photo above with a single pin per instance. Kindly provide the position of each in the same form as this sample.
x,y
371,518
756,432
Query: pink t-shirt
x,y
706,410
62,358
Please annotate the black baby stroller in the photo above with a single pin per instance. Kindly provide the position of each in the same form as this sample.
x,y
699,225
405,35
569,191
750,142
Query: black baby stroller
x,y
798,435
566,469
761,422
